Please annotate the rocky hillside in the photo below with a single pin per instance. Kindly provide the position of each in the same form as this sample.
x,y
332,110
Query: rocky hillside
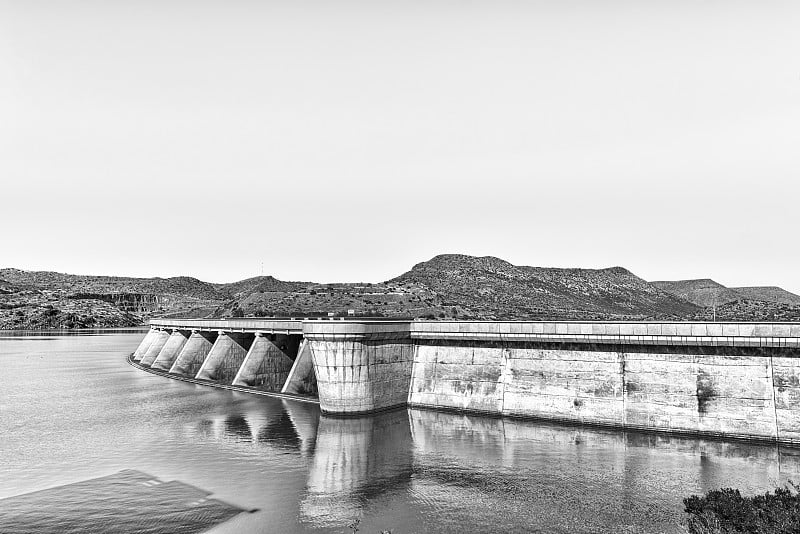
x,y
773,294
767,303
183,286
704,292
447,286
492,288
44,299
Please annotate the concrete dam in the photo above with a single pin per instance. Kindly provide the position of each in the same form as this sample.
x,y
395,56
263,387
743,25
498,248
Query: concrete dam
x,y
732,380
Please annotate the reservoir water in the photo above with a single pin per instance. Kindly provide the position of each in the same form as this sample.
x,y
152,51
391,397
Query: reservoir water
x,y
72,409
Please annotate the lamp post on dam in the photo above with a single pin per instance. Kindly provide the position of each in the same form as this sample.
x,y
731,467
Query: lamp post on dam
x,y
734,380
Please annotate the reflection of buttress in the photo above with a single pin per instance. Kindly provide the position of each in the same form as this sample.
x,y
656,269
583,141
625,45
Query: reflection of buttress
x,y
355,459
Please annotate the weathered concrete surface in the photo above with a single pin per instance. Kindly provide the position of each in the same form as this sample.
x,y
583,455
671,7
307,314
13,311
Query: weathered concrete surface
x,y
268,362
225,357
159,340
362,375
191,357
786,388
170,350
711,391
301,379
361,367
145,344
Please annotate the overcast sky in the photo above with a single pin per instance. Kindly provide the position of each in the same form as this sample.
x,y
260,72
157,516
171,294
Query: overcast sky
x,y
348,140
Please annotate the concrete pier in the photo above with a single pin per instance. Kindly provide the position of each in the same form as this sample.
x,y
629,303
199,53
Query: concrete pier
x,y
302,380
145,344
159,340
361,368
268,362
226,357
739,380
170,350
192,355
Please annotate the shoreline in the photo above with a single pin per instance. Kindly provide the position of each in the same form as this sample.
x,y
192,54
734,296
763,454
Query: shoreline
x,y
240,389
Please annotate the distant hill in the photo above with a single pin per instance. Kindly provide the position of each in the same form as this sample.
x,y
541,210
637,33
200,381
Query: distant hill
x,y
707,292
768,303
46,299
768,294
260,284
704,292
178,286
444,287
493,288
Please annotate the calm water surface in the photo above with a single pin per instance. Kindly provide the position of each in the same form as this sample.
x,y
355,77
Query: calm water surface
x,y
72,409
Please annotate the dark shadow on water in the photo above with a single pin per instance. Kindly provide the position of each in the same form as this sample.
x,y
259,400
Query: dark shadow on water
x,y
280,432
128,502
237,427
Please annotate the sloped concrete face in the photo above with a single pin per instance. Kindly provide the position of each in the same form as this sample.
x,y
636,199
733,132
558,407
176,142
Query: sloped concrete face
x,y
191,357
268,362
159,340
170,350
145,344
226,357
301,379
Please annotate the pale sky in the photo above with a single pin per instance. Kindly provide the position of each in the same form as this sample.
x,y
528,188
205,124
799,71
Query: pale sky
x,y
348,140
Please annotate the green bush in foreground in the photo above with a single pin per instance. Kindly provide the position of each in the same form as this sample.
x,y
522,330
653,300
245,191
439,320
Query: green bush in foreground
x,y
726,511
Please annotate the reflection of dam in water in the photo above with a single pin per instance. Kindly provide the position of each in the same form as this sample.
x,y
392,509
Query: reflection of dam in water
x,y
462,464
290,425
465,469
407,470
355,460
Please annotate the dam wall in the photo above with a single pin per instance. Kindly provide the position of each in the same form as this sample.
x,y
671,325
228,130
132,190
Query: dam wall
x,y
735,380
728,380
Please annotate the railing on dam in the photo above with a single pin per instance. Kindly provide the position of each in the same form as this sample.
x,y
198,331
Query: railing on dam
x,y
608,332
724,379
232,325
